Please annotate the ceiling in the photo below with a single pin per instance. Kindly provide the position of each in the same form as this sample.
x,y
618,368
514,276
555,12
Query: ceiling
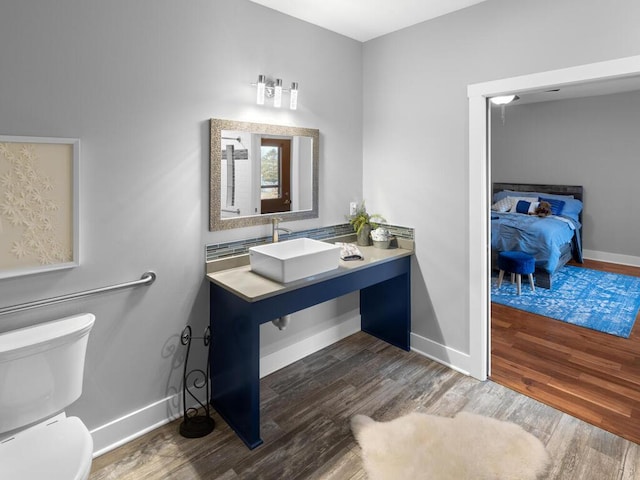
x,y
366,19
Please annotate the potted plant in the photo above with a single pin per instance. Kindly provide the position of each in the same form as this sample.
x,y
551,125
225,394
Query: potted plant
x,y
362,223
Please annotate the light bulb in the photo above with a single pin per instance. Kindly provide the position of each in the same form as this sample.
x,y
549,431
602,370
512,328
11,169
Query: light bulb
x,y
293,105
261,87
277,94
503,100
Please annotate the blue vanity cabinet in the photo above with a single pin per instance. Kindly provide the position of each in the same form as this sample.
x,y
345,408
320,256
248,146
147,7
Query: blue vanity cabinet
x,y
385,309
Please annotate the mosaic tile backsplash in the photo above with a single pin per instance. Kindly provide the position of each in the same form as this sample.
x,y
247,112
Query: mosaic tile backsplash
x,y
216,251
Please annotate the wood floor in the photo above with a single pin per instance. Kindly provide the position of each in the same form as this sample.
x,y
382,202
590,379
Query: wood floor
x,y
591,375
306,409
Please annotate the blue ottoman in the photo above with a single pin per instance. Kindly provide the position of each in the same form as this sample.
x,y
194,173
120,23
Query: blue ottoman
x,y
516,263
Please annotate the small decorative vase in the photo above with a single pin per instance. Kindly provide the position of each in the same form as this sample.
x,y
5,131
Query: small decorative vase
x,y
381,237
384,244
364,236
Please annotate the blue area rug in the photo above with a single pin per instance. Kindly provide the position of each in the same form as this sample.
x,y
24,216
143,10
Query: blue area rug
x,y
602,301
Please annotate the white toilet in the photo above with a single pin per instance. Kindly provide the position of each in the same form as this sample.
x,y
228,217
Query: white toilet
x,y
41,369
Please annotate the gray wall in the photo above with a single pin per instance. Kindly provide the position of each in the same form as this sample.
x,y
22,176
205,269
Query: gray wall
x,y
137,82
592,142
416,124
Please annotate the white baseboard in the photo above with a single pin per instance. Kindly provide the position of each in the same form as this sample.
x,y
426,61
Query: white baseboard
x,y
460,361
135,424
612,257
448,356
287,355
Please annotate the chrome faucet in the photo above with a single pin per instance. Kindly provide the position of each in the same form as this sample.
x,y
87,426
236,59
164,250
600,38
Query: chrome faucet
x,y
275,228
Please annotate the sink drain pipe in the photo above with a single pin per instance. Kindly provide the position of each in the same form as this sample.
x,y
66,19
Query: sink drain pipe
x,y
282,322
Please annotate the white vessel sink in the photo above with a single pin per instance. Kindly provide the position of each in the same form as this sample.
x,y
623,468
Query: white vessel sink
x,y
294,259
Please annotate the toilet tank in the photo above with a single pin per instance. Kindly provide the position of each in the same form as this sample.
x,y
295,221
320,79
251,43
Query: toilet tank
x,y
41,369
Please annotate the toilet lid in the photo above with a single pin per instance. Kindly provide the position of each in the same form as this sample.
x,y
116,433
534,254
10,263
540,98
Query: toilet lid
x,y
58,451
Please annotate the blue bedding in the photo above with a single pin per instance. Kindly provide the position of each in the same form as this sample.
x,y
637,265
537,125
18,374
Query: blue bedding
x,y
542,237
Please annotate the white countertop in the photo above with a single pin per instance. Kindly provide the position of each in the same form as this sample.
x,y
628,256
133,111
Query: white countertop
x,y
252,287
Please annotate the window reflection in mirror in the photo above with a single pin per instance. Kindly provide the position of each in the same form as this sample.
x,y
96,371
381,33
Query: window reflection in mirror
x,y
259,171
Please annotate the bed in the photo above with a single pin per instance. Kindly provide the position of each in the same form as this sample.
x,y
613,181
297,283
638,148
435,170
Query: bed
x,y
552,240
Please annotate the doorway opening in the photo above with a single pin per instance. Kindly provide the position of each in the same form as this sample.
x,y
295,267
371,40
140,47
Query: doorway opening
x,y
480,177
275,175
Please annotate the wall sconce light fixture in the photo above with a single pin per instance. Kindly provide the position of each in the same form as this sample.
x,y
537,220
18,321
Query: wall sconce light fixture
x,y
267,88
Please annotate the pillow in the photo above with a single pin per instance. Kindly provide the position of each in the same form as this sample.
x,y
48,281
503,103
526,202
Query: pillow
x,y
523,206
533,207
572,209
557,196
502,206
556,205
515,200
510,193
526,207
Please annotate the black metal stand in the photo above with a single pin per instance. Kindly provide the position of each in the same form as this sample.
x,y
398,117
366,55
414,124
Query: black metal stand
x,y
194,425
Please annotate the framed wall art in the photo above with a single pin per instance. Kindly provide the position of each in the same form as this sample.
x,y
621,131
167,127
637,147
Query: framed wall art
x,y
38,204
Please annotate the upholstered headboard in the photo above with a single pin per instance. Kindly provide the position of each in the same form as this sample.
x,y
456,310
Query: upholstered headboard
x,y
575,190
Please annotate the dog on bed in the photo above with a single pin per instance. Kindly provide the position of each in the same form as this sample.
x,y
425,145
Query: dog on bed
x,y
543,209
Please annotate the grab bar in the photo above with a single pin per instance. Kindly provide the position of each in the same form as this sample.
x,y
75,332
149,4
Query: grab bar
x,y
147,279
236,211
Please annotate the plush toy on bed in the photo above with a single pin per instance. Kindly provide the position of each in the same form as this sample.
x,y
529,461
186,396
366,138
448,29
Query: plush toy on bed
x,y
543,209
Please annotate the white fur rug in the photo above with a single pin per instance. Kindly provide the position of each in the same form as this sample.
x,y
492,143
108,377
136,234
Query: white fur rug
x,y
468,446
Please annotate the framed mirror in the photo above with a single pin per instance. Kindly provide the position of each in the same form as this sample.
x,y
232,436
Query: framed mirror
x,y
260,171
